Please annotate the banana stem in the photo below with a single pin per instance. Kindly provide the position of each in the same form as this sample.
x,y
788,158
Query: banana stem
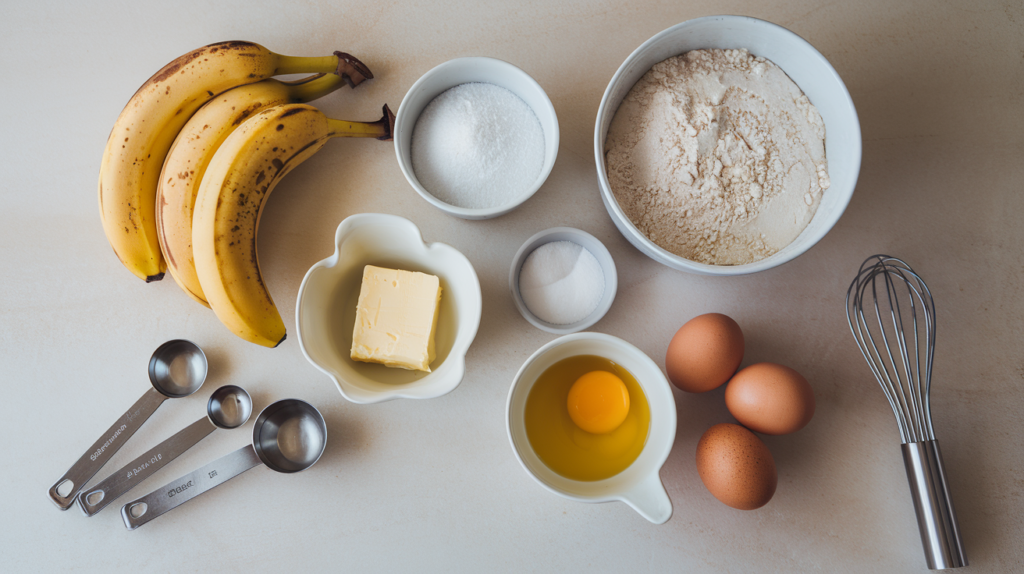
x,y
305,65
314,87
347,66
352,69
381,129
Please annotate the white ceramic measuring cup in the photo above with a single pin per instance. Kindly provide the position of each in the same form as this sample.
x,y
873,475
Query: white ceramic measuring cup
x,y
176,369
639,485
229,407
288,436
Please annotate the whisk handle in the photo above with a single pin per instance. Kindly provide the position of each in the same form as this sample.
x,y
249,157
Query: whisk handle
x,y
940,532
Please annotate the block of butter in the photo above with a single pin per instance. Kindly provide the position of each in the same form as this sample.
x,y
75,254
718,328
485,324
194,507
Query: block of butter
x,y
396,317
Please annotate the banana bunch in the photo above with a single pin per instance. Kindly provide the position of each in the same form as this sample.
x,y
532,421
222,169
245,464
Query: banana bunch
x,y
241,175
147,126
191,152
196,117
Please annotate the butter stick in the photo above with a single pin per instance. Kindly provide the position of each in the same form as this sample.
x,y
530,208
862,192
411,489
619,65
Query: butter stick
x,y
396,318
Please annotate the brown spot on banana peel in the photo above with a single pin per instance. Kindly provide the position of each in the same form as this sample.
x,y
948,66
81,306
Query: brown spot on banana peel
x,y
198,298
292,112
172,68
254,259
232,45
170,259
183,60
352,70
280,165
246,113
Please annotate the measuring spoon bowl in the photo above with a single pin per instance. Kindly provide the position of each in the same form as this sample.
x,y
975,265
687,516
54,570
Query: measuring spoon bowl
x,y
176,369
229,407
288,436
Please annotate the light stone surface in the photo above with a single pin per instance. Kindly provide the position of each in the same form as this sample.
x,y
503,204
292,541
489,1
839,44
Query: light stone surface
x,y
433,485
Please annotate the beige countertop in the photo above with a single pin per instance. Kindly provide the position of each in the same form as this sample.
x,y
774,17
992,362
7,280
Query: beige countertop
x,y
433,485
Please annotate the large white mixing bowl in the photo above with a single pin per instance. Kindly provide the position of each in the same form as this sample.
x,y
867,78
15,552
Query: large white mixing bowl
x,y
803,64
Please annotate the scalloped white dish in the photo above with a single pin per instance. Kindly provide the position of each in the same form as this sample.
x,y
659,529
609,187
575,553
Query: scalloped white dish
x,y
326,309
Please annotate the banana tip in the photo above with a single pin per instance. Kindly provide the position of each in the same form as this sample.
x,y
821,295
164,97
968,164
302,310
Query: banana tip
x,y
156,277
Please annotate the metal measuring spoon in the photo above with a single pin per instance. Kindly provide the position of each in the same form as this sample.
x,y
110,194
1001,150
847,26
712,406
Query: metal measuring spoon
x,y
176,369
229,407
288,436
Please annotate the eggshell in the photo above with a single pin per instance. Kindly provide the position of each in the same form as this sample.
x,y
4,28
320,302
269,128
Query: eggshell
x,y
704,353
736,466
770,399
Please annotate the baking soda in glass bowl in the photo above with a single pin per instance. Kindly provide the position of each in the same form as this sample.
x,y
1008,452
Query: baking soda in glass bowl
x,y
477,146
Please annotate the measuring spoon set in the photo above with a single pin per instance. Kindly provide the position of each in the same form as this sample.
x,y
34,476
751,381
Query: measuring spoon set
x,y
288,436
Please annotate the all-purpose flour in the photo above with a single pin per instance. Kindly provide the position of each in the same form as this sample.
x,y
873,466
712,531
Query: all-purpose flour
x,y
717,156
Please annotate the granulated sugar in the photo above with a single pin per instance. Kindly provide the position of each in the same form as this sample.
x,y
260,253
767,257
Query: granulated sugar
x,y
477,146
561,282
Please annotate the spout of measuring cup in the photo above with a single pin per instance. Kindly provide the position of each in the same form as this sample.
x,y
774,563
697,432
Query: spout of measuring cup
x,y
649,498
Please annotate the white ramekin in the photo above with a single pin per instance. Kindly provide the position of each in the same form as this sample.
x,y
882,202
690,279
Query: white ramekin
x,y
462,71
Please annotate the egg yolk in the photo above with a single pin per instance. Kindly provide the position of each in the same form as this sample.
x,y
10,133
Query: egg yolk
x,y
598,402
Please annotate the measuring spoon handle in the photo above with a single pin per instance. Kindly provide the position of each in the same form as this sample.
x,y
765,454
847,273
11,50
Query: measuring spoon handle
x,y
174,494
104,448
95,499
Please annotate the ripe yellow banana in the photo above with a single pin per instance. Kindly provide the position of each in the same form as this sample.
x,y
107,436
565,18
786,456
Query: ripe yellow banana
x,y
242,173
153,117
194,148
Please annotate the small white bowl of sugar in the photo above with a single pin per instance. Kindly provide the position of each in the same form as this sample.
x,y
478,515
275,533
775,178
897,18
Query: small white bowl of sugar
x,y
476,137
563,280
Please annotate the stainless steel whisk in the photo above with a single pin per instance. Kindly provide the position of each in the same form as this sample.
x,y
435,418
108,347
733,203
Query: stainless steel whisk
x,y
891,314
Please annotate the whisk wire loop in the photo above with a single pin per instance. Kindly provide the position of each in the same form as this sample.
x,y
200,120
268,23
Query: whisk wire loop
x,y
895,331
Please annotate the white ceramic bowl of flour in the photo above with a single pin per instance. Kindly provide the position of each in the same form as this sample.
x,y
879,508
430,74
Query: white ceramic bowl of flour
x,y
466,71
804,65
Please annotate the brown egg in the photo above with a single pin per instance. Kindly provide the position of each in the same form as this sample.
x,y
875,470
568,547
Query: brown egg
x,y
770,399
704,353
736,466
